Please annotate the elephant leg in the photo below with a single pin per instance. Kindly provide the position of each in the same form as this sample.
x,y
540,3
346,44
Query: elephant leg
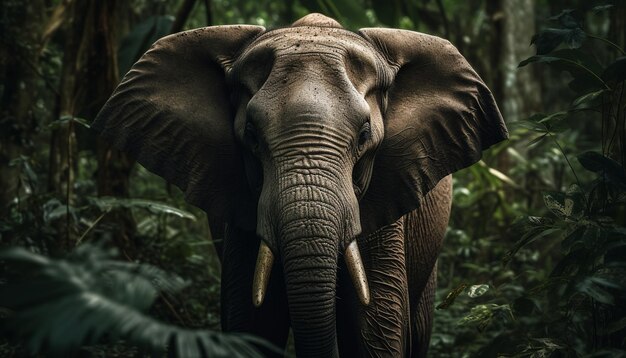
x,y
425,228
271,320
422,318
379,329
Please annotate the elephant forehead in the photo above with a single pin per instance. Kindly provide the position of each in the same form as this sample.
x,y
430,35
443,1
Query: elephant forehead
x,y
319,41
323,50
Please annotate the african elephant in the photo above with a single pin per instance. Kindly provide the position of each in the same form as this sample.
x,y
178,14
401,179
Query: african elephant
x,y
323,159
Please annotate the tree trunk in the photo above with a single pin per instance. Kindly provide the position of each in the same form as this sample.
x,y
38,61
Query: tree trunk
x,y
521,93
114,166
88,77
20,27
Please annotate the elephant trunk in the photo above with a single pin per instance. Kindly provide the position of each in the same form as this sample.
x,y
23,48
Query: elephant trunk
x,y
307,219
311,287
311,229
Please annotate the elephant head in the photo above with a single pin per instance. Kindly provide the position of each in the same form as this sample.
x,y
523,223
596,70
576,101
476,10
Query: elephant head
x,y
311,135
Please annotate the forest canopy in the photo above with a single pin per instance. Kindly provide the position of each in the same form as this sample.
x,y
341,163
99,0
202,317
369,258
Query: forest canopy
x,y
101,257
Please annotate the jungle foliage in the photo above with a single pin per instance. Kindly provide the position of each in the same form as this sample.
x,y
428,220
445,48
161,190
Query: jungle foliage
x,y
98,250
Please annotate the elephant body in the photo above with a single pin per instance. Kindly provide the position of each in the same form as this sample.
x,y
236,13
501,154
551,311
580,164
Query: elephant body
x,y
323,159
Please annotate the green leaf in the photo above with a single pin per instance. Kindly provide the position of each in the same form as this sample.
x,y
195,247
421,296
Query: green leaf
x,y
598,163
600,8
537,140
589,100
106,203
569,205
451,297
574,203
483,315
549,39
554,201
534,228
477,290
65,119
54,210
541,347
545,123
60,305
584,68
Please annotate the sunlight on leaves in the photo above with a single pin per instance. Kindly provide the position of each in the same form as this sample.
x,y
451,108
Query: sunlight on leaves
x,y
477,290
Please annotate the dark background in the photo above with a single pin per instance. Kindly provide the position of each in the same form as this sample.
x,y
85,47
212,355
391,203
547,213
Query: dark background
x,y
534,259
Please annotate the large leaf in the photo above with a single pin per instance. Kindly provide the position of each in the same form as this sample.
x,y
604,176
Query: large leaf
x,y
570,33
584,68
569,205
59,305
549,39
598,163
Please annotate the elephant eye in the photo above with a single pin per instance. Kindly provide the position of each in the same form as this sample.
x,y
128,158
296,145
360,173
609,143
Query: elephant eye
x,y
383,102
250,135
364,135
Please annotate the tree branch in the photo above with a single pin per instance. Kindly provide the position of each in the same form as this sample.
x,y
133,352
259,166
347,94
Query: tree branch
x,y
182,15
208,13
444,18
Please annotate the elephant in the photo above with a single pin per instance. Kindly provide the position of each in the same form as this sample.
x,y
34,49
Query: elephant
x,y
323,159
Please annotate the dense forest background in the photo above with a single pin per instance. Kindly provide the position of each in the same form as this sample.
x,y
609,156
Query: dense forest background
x,y
534,263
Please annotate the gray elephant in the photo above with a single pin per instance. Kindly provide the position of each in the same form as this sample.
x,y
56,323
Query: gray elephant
x,y
323,159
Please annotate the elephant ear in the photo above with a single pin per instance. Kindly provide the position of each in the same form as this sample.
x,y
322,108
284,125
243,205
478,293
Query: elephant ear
x,y
440,116
172,113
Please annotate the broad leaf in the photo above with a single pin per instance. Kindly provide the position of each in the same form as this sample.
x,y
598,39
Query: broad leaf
x,y
549,39
60,305
584,69
598,163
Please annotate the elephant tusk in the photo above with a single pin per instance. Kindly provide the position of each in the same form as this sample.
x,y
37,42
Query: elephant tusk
x,y
264,263
357,272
